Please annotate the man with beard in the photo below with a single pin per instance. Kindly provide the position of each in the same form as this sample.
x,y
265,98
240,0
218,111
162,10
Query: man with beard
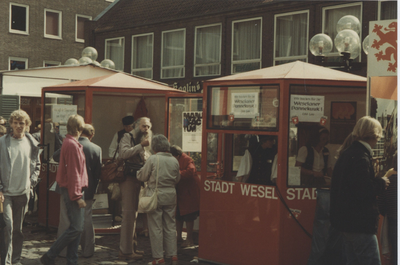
x,y
135,147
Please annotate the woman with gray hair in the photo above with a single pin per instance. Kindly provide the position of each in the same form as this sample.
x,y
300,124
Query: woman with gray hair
x,y
161,222
354,191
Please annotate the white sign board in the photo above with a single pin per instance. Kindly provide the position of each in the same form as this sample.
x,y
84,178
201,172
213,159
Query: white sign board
x,y
191,135
307,108
244,105
61,113
382,52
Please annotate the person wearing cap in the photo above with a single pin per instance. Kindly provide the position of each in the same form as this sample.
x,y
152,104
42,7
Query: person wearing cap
x,y
258,161
127,122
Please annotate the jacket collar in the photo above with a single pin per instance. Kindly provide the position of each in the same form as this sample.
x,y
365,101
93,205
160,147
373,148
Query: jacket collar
x,y
365,149
367,146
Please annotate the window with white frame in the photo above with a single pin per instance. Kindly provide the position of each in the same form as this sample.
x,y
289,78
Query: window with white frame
x,y
142,55
16,63
51,63
207,57
246,45
173,53
52,24
80,27
330,18
115,52
291,37
19,18
387,10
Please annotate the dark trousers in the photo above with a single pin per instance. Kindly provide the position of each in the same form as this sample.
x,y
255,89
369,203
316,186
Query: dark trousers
x,y
2,245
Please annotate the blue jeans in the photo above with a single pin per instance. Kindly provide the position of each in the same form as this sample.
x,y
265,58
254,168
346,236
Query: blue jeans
x,y
72,236
361,249
327,243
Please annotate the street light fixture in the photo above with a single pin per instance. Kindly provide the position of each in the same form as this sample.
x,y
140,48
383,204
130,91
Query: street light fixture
x,y
320,46
89,56
347,42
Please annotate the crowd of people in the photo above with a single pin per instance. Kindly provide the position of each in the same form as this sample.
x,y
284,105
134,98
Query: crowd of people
x,y
78,175
346,219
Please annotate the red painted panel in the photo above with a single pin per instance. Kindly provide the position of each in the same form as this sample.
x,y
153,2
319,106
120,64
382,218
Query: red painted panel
x,y
248,224
53,197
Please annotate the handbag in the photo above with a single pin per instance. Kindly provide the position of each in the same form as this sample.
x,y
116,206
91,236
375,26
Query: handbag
x,y
130,168
113,170
148,204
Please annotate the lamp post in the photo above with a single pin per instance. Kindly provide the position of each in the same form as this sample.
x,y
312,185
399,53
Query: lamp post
x,y
347,42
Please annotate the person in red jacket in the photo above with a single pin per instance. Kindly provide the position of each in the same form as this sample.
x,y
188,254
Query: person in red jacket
x,y
188,195
73,179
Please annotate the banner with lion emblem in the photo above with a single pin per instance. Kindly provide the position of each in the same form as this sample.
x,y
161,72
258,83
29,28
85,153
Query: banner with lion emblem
x,y
382,52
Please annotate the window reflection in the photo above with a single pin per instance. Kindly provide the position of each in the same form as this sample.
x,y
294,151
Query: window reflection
x,y
58,108
250,107
317,131
254,159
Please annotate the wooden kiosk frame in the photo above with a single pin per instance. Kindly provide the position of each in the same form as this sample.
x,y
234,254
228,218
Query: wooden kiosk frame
x,y
243,223
102,101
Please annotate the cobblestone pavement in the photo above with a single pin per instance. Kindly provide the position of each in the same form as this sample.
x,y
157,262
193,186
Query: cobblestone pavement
x,y
37,241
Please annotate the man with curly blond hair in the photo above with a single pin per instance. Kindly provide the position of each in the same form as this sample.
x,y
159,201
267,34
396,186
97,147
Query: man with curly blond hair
x,y
19,171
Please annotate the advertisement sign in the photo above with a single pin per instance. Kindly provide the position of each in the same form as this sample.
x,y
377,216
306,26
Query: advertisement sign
x,y
244,105
305,108
61,113
191,134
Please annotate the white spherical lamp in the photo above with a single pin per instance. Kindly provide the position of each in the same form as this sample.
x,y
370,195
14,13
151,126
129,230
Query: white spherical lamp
x,y
85,60
347,41
107,63
90,52
320,45
71,61
365,44
348,22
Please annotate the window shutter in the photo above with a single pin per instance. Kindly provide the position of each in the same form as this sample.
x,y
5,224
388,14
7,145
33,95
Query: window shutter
x,y
8,103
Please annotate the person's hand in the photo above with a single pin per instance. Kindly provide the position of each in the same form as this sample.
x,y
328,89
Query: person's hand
x,y
317,174
1,197
390,172
81,203
145,142
387,181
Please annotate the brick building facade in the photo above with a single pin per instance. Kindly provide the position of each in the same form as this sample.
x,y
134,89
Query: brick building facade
x,y
45,32
183,43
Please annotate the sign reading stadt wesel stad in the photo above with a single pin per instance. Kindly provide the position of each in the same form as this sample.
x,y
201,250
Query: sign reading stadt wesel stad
x,y
382,52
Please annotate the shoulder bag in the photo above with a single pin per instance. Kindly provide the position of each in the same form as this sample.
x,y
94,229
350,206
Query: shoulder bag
x,y
149,204
113,170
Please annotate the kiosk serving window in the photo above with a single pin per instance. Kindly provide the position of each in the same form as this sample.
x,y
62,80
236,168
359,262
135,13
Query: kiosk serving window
x,y
58,108
244,107
320,118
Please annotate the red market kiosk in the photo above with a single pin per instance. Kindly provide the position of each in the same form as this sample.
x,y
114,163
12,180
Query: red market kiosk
x,y
244,223
103,102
